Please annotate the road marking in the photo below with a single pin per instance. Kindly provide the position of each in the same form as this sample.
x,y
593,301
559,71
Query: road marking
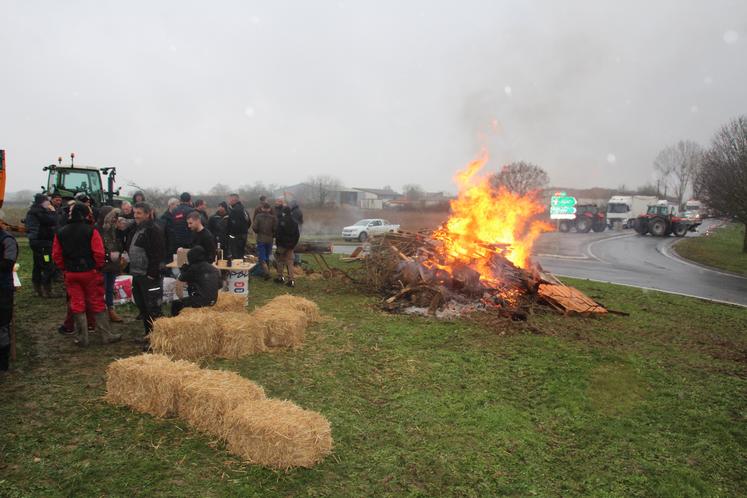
x,y
559,256
720,301
589,246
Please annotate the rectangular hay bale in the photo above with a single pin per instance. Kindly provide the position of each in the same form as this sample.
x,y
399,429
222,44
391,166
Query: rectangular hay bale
x,y
285,327
310,308
278,434
148,383
228,301
188,336
208,396
241,335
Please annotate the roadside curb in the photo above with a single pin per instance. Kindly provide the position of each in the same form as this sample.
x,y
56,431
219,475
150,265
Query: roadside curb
x,y
674,254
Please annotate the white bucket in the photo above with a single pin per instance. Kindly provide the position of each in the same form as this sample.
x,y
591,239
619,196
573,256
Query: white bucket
x,y
238,282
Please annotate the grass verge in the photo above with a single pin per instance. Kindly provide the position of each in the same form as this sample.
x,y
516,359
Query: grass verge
x,y
647,405
722,248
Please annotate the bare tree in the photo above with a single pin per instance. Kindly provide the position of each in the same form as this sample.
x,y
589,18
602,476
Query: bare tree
x,y
677,165
319,189
413,192
648,189
723,177
220,189
521,177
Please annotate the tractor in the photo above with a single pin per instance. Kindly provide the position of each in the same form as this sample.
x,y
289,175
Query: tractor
x,y
70,180
662,220
588,217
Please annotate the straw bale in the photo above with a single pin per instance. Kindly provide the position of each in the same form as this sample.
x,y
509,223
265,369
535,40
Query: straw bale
x,y
228,301
309,307
241,335
207,397
191,336
148,383
285,327
278,434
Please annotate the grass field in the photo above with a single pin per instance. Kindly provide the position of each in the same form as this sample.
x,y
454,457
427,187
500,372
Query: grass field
x,y
652,404
722,248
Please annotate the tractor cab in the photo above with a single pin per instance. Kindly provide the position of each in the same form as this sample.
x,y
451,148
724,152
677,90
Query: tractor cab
x,y
70,180
661,210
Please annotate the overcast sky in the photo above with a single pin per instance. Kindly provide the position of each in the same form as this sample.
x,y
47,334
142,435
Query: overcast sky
x,y
189,94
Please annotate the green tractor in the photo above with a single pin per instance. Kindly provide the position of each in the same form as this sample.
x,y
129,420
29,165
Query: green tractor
x,y
71,180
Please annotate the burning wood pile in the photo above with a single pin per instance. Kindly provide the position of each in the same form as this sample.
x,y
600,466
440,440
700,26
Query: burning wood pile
x,y
477,260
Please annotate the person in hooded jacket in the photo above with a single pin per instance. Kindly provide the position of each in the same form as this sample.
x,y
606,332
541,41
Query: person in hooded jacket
x,y
8,258
107,227
182,234
238,226
218,226
79,251
138,196
264,226
203,282
41,222
286,239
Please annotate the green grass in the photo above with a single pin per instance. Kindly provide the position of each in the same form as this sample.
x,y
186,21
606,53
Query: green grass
x,y
722,248
647,405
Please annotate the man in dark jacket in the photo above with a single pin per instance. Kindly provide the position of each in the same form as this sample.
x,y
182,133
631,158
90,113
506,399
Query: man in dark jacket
x,y
79,251
201,236
264,226
182,235
238,226
286,240
218,225
203,279
146,254
8,257
201,208
167,222
41,222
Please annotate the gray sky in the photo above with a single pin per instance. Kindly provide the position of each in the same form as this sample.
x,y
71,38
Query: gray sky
x,y
189,94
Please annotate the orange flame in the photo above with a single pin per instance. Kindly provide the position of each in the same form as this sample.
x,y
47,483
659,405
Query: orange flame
x,y
486,220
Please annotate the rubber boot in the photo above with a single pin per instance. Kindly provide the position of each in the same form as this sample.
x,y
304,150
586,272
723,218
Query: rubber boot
x,y
103,327
114,317
38,289
81,329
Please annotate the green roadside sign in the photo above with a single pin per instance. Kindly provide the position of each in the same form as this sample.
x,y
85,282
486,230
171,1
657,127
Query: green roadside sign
x,y
562,206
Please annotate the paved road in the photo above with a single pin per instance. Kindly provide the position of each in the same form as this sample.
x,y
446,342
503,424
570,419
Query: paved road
x,y
622,257
648,262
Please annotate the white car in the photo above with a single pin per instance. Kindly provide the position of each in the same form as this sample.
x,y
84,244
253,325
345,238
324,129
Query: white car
x,y
363,229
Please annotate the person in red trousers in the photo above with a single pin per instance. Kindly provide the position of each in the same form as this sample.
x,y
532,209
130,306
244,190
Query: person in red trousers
x,y
79,251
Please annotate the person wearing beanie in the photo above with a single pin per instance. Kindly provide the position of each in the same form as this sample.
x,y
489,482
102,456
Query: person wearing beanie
x,y
238,226
79,251
203,282
41,222
182,235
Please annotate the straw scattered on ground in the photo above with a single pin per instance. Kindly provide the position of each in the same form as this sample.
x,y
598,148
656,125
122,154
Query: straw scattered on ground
x,y
278,434
148,383
207,397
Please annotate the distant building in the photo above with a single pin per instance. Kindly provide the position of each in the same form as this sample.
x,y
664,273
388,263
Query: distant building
x,y
372,198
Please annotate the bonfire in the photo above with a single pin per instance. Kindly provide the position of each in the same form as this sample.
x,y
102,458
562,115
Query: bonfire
x,y
479,259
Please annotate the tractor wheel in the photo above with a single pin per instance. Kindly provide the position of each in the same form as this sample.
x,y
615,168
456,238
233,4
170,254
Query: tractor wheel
x,y
640,226
680,229
599,227
658,227
583,225
564,226
363,237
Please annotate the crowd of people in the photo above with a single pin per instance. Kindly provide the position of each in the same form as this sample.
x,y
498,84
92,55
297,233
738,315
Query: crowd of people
x,y
86,247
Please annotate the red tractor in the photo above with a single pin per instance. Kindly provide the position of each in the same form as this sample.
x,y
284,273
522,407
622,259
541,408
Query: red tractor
x,y
588,217
661,220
